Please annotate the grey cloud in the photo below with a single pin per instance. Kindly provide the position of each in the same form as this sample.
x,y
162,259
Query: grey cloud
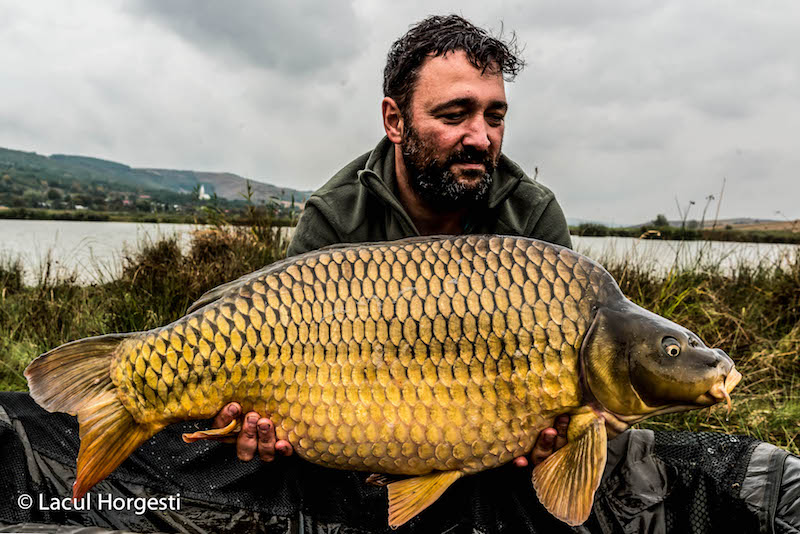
x,y
295,37
624,103
582,15
746,165
680,51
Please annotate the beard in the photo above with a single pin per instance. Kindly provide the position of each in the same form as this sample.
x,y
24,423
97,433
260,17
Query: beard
x,y
434,181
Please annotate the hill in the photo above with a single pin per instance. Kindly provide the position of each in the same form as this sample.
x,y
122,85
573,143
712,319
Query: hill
x,y
28,179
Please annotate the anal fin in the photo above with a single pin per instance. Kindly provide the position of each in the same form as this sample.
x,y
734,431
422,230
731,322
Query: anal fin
x,y
218,434
567,481
409,497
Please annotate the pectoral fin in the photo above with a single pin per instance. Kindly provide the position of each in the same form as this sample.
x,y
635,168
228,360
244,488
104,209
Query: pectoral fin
x,y
409,497
566,482
218,434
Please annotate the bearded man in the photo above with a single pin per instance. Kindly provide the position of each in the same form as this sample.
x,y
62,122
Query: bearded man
x,y
439,170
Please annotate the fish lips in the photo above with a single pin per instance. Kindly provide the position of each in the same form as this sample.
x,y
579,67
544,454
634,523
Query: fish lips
x,y
720,390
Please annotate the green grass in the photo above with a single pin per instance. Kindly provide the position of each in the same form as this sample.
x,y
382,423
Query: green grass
x,y
753,314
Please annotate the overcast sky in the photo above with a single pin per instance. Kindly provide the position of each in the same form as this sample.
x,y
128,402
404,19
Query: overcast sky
x,y
624,105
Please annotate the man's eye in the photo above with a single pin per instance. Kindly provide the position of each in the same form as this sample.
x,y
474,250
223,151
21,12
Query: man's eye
x,y
495,120
453,116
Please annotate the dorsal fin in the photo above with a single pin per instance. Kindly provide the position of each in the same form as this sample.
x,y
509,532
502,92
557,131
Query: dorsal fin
x,y
233,286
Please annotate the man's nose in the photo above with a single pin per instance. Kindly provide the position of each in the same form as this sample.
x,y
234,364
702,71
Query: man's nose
x,y
477,135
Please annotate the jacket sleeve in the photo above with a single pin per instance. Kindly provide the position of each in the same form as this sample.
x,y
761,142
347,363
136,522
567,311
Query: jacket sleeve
x,y
552,226
314,230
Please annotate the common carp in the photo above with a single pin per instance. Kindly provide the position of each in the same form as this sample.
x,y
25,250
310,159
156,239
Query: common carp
x,y
433,357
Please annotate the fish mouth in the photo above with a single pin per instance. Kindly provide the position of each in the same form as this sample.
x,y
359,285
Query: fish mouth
x,y
721,390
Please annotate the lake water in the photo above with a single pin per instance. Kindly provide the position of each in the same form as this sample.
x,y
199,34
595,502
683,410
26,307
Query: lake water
x,y
662,255
93,249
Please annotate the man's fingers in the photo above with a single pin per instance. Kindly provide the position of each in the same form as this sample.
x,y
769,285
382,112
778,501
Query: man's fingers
x,y
247,441
266,440
257,435
284,448
228,413
544,445
561,424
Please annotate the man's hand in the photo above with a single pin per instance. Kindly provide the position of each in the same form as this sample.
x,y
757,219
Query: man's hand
x,y
548,442
258,434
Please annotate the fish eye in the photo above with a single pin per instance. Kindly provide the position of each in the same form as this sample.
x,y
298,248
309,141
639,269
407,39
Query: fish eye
x,y
671,346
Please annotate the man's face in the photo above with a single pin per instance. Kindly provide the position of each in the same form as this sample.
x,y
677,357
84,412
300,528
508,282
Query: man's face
x,y
454,131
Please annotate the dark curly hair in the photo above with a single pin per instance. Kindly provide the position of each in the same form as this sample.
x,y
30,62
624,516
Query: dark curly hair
x,y
435,36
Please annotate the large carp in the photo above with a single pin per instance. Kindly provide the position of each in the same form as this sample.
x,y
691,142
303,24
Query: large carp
x,y
435,357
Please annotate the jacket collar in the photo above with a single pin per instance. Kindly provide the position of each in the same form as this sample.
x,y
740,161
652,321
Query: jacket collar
x,y
378,176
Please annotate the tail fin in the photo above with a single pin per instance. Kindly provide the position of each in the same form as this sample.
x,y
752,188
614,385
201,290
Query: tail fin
x,y
76,378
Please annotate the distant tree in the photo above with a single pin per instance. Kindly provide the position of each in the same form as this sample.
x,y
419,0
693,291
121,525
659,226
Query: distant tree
x,y
692,224
53,194
32,198
143,205
661,220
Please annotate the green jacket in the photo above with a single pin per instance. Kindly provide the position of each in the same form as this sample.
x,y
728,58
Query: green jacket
x,y
359,204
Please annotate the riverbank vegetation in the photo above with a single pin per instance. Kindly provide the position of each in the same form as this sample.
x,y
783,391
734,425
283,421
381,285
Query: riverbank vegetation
x,y
236,216
753,313
685,233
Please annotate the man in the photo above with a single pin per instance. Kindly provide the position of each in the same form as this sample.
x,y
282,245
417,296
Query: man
x,y
439,170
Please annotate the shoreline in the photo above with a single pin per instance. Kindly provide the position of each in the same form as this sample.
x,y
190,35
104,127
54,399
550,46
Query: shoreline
x,y
789,237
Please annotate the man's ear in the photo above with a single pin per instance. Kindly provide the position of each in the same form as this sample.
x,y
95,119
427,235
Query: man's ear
x,y
392,120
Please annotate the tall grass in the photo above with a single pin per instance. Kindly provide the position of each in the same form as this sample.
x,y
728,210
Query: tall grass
x,y
158,282
751,312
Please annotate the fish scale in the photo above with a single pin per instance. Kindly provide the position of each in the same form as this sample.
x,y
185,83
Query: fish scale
x,y
439,355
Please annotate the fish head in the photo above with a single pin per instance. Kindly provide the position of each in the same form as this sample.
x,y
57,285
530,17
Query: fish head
x,y
636,364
